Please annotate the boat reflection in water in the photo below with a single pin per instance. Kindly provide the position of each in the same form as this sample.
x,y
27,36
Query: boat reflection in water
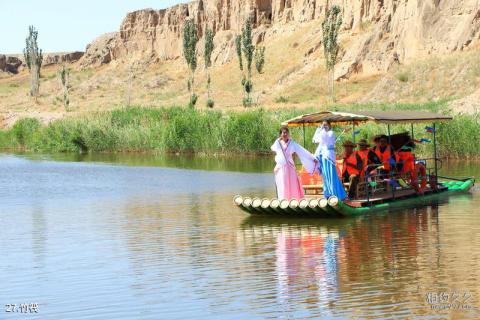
x,y
366,267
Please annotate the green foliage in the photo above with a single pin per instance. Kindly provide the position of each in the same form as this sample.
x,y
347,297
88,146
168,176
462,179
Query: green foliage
x,y
33,58
248,86
210,103
190,40
459,138
247,45
64,77
238,46
209,46
330,28
244,45
33,55
402,76
179,129
24,130
193,101
260,59
247,101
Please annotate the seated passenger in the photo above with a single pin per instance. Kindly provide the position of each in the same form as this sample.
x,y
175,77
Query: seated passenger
x,y
386,154
369,159
352,168
406,159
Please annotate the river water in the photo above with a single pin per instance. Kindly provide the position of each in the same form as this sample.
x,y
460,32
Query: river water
x,y
142,237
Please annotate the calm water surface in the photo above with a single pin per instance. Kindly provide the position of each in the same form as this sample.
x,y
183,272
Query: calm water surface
x,y
137,237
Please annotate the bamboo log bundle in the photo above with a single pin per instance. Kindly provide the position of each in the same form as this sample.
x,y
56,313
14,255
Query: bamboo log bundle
x,y
323,204
294,206
333,201
247,203
313,205
256,203
275,205
238,199
303,205
284,205
265,205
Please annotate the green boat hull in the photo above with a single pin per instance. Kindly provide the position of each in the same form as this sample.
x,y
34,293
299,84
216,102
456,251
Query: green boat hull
x,y
343,209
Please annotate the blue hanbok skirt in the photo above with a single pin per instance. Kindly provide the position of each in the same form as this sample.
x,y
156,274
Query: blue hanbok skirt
x,y
332,186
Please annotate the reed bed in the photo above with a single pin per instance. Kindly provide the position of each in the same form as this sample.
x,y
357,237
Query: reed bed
x,y
183,130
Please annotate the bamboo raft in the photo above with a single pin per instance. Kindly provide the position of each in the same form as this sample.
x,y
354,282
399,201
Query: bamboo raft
x,y
389,197
333,207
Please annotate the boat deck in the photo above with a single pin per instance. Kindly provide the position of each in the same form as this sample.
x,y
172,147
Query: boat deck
x,y
388,196
319,206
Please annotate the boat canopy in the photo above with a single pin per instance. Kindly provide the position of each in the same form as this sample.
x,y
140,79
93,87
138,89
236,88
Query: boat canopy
x,y
359,117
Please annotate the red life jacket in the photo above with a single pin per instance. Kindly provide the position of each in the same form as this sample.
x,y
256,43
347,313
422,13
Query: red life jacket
x,y
385,156
350,164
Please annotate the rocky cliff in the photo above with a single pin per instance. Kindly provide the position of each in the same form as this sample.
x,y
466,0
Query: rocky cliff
x,y
14,64
375,35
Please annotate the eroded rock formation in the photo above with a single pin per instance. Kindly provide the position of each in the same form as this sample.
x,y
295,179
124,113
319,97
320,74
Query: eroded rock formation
x,y
56,58
377,33
10,64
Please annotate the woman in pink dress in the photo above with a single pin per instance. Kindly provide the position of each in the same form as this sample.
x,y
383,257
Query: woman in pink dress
x,y
286,178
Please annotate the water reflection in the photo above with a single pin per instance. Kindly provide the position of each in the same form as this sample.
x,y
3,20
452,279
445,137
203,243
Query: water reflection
x,y
234,162
366,268
120,242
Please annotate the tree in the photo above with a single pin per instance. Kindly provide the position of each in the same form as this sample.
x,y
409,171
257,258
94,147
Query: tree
x,y
246,50
260,59
64,77
330,28
190,39
208,63
34,58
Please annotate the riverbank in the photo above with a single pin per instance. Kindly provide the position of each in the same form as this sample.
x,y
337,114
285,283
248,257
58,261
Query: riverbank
x,y
182,130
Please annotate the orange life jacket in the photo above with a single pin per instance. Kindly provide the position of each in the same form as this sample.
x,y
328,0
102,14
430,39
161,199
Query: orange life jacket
x,y
350,165
408,160
364,156
385,156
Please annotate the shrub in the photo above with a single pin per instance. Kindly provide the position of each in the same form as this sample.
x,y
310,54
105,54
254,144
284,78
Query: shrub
x,y
210,103
402,76
25,129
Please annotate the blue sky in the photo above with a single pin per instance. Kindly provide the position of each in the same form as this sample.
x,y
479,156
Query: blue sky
x,y
65,25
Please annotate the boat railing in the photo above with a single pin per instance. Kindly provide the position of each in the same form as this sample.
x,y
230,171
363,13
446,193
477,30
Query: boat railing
x,y
390,180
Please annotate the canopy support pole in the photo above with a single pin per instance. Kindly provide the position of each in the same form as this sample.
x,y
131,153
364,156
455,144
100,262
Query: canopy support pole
x,y
435,149
353,132
303,127
413,140
391,167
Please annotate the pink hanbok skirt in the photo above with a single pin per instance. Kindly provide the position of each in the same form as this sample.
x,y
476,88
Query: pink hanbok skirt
x,y
288,183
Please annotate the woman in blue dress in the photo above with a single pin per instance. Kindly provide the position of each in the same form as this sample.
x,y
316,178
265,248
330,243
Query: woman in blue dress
x,y
325,153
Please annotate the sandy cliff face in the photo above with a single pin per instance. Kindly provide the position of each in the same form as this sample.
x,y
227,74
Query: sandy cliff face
x,y
376,33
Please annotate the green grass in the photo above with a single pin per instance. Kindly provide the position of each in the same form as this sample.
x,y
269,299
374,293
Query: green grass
x,y
179,129
281,99
402,76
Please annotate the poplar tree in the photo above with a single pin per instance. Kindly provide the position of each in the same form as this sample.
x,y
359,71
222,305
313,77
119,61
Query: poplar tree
x,y
64,77
330,28
33,58
190,39
208,63
246,50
